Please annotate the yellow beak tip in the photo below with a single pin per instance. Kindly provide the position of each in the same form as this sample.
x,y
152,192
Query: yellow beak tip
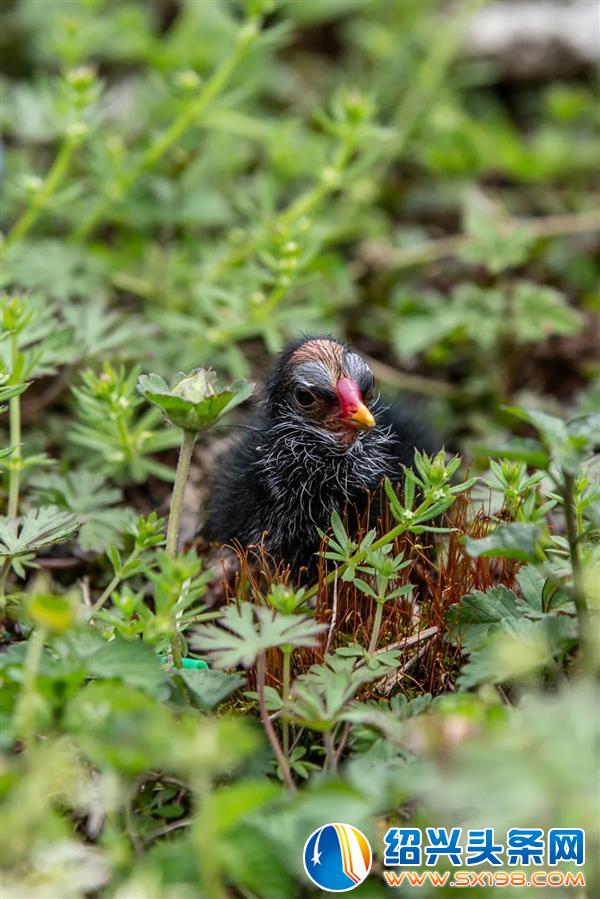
x,y
363,418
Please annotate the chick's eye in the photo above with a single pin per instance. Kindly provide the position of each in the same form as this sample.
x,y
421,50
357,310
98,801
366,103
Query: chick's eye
x,y
368,385
304,397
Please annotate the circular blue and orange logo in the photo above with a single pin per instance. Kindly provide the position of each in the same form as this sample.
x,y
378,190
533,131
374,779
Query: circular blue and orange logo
x,y
337,857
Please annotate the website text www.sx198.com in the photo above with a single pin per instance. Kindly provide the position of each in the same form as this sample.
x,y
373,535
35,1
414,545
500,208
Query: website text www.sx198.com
x,y
484,878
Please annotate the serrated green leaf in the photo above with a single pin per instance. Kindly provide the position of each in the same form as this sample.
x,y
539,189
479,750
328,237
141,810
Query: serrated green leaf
x,y
531,581
478,612
120,726
510,541
244,632
37,529
98,506
209,688
516,650
132,662
319,698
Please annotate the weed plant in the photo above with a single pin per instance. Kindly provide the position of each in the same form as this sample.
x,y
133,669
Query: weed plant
x,y
188,185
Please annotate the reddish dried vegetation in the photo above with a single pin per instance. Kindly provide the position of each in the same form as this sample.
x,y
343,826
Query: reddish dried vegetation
x,y
441,571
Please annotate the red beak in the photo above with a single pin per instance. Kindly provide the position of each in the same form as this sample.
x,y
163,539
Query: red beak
x,y
352,407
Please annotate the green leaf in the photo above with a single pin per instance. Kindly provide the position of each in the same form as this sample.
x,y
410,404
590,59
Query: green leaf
x,y
37,529
102,515
495,241
132,662
553,429
538,311
396,507
473,618
319,698
364,587
7,391
531,581
194,403
567,443
121,727
510,541
256,863
586,427
519,648
520,449
208,688
235,802
244,632
339,531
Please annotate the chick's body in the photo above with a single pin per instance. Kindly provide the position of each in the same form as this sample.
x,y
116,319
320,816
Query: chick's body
x,y
318,444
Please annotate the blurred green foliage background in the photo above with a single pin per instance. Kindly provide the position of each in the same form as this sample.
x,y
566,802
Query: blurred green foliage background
x,y
193,182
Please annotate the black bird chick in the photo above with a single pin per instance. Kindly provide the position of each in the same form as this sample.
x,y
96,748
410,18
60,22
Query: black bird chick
x,y
318,444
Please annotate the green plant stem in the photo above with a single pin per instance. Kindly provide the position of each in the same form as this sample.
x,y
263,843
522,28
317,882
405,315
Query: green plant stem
x,y
176,647
124,436
268,724
330,756
4,572
206,839
301,206
357,557
285,692
588,648
403,380
15,437
361,554
376,628
397,258
52,182
187,117
114,582
129,820
315,195
418,100
425,86
183,467
25,711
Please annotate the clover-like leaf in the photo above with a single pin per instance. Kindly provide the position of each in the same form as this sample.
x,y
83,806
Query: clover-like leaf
x,y
243,633
195,402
